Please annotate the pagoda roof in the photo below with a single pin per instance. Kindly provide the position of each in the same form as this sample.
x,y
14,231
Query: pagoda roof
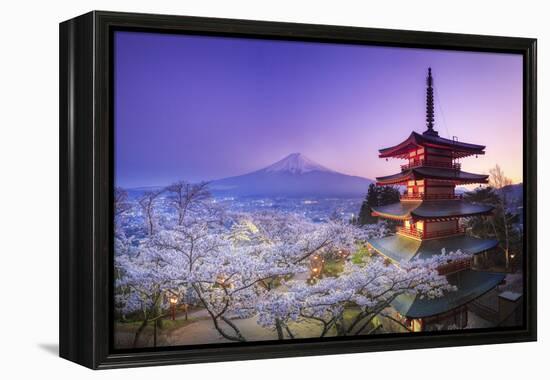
x,y
431,209
401,248
470,285
428,172
415,140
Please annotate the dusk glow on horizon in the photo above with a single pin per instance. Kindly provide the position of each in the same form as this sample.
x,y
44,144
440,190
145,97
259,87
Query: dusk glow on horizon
x,y
202,108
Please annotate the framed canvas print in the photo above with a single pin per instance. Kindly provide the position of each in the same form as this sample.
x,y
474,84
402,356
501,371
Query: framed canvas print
x,y
238,189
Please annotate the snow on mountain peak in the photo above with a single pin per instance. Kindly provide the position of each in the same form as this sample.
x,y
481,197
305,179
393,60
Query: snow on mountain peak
x,y
296,163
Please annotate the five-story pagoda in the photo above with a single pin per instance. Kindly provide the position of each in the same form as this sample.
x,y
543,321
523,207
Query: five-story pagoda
x,y
430,212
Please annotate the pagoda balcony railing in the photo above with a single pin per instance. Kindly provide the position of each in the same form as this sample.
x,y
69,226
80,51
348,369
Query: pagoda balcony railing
x,y
423,196
447,232
455,266
420,234
435,164
410,232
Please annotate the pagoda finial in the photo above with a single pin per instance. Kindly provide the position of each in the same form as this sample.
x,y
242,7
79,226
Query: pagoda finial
x,y
430,105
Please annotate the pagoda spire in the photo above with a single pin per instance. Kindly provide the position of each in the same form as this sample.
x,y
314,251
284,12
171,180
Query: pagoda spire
x,y
430,105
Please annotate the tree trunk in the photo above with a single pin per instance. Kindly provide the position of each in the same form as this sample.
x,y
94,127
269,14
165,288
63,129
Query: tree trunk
x,y
139,331
290,334
339,325
279,328
155,323
235,329
150,225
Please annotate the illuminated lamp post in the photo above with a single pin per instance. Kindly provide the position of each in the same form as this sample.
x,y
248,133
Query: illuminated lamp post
x,y
173,302
512,256
316,265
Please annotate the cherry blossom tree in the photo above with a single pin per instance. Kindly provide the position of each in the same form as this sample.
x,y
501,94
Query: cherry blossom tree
x,y
146,280
369,288
243,265
147,205
187,197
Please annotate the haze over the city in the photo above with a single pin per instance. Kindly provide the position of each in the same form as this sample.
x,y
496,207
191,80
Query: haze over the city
x,y
205,108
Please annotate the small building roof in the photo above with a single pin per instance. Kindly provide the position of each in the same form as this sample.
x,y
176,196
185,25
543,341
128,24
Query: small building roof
x,y
401,248
426,172
415,140
510,295
429,209
470,285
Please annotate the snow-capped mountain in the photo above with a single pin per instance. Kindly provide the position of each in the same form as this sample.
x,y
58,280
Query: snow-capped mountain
x,y
294,176
296,163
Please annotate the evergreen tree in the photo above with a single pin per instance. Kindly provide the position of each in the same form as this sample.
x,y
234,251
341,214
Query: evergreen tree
x,y
376,196
388,195
501,225
365,216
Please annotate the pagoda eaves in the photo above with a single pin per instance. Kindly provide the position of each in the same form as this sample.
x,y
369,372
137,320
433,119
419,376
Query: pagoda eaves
x,y
431,210
437,173
416,140
399,248
470,285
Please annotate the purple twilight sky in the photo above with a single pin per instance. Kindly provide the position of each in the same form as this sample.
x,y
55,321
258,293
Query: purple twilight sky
x,y
203,108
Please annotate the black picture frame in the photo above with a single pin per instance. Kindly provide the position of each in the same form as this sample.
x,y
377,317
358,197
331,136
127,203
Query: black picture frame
x,y
86,184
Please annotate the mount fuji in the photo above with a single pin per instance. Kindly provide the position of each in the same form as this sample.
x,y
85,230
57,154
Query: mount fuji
x,y
294,176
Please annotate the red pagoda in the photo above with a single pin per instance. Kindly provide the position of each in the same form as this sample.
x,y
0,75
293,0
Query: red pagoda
x,y
430,212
